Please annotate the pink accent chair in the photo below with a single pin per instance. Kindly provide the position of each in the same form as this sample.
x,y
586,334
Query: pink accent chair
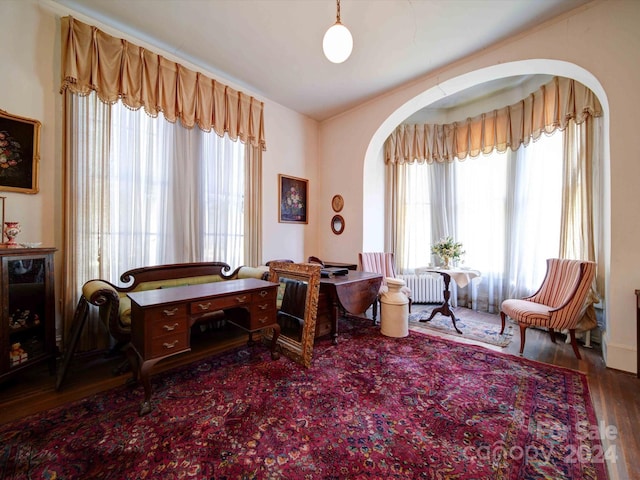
x,y
558,304
383,263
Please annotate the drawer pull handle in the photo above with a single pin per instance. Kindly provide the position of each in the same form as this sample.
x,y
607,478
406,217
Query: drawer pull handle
x,y
263,293
170,345
264,306
204,306
170,328
263,320
170,313
241,299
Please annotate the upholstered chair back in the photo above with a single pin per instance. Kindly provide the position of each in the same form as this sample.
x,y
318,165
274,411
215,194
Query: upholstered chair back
x,y
565,288
379,262
383,263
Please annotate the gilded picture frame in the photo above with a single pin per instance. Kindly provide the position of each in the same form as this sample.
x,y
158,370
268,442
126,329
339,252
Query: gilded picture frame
x,y
293,199
19,153
298,346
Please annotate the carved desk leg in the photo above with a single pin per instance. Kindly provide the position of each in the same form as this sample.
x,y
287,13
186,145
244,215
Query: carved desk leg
x,y
140,371
145,370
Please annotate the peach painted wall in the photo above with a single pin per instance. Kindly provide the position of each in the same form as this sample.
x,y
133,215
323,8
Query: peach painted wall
x,y
29,88
292,150
596,44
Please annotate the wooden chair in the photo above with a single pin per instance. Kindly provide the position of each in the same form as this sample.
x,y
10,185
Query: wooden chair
x,y
558,304
383,263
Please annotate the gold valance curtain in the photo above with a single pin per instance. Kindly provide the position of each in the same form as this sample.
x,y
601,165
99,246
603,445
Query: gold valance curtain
x,y
118,70
547,109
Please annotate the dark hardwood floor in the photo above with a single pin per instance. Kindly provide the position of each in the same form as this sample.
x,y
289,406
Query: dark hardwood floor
x,y
615,394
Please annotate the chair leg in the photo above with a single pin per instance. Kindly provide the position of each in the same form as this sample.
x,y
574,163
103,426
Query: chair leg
x,y
552,334
375,310
523,333
574,343
80,317
503,317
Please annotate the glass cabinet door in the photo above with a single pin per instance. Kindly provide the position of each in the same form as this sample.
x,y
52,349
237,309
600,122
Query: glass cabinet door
x,y
26,309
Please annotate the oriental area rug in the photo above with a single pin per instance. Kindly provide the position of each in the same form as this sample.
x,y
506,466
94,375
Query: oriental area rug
x,y
472,329
372,407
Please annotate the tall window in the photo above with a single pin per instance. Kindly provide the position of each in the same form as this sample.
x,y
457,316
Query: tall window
x,y
148,192
504,207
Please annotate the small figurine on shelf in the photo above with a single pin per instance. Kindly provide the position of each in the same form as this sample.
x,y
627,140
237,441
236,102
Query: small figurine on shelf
x,y
20,318
17,354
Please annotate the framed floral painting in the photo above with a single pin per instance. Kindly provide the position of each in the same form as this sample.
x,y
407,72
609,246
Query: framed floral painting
x,y
19,153
294,198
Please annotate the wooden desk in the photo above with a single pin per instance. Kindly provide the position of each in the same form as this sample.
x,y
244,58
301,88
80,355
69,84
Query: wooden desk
x,y
161,320
354,293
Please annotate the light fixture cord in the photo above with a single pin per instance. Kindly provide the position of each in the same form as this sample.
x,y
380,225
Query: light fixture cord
x,y
338,11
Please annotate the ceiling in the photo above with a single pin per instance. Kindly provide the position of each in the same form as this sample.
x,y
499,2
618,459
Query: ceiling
x,y
273,48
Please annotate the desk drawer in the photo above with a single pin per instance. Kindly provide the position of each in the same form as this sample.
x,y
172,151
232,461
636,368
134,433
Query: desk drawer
x,y
264,295
169,344
168,326
166,312
261,317
213,304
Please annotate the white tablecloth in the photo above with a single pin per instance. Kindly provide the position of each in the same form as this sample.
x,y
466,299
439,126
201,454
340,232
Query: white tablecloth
x,y
462,276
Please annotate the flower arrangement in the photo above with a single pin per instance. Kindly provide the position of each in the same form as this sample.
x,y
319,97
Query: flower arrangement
x,y
447,250
9,151
293,201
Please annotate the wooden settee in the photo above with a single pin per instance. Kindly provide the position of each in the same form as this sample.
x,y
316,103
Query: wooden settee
x,y
114,307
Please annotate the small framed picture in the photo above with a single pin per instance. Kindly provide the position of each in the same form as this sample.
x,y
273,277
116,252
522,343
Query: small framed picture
x,y
19,153
294,199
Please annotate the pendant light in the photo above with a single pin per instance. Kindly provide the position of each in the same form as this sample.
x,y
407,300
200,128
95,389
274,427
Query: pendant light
x,y
338,42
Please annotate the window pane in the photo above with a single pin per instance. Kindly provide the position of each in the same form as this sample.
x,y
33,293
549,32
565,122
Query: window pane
x,y
418,215
505,208
150,192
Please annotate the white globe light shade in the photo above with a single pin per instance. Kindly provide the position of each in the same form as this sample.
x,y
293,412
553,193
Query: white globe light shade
x,y
337,43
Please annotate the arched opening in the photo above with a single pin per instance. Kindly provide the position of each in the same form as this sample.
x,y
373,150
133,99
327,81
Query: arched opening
x,y
373,174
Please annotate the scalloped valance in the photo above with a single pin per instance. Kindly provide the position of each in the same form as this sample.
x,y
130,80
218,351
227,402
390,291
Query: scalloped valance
x,y
547,109
118,70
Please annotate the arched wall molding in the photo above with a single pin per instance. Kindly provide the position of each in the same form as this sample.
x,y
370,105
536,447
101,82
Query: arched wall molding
x,y
373,231
462,82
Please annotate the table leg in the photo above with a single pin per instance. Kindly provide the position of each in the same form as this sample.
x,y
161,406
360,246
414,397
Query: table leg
x,y
334,313
140,372
145,378
444,308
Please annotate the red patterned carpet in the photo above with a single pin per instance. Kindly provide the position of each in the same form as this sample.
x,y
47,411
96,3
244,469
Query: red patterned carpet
x,y
372,407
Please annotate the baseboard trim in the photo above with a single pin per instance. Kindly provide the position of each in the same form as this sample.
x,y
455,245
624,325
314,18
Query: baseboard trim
x,y
619,356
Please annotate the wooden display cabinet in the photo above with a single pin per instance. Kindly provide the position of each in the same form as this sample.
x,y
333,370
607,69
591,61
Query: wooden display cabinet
x,y
27,325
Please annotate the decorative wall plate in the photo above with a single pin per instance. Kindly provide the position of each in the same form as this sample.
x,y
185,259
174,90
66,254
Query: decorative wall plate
x,y
337,202
337,224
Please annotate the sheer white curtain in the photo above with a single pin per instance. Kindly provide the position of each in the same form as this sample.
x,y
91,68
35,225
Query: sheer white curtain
x,y
161,193
534,210
504,207
413,247
142,191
